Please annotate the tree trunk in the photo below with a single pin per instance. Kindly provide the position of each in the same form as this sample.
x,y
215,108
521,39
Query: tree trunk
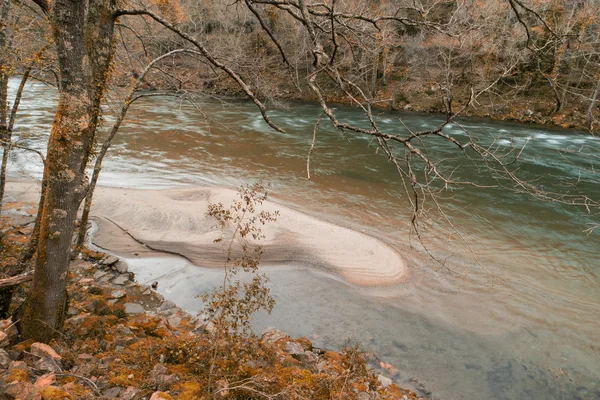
x,y
83,49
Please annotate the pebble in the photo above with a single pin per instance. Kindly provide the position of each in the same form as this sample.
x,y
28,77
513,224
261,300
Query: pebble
x,y
133,308
121,279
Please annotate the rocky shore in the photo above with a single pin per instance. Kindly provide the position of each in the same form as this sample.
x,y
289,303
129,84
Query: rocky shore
x,y
122,340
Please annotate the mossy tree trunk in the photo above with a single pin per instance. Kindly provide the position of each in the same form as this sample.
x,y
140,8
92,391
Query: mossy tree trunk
x,y
83,34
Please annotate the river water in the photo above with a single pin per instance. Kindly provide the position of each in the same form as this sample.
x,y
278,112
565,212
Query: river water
x,y
510,310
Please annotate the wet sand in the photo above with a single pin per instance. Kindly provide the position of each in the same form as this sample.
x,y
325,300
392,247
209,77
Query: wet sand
x,y
175,221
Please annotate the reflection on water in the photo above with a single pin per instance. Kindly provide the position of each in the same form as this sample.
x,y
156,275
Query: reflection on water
x,y
467,337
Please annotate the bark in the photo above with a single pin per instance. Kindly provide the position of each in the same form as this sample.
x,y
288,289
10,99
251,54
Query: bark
x,y
77,39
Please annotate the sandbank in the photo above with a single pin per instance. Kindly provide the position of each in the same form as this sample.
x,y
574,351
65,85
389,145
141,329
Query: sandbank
x,y
135,222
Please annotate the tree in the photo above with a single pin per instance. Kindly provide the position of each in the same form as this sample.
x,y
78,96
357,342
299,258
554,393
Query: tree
x,y
83,34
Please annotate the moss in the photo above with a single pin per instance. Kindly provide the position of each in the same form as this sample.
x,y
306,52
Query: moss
x,y
54,393
18,375
189,390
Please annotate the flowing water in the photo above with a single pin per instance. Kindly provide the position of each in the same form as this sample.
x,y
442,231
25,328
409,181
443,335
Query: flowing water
x,y
533,331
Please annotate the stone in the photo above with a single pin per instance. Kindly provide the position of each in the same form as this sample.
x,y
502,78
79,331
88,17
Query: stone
x,y
129,393
133,308
44,351
272,335
22,391
309,357
112,392
110,260
72,311
121,279
363,396
294,348
160,396
384,381
99,274
87,281
47,365
45,380
167,305
4,359
4,342
117,294
174,321
121,266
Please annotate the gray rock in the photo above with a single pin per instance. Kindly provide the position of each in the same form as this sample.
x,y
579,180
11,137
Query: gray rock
x,y
72,311
117,294
133,308
47,365
167,305
294,348
384,381
308,357
121,279
174,321
112,392
99,274
121,266
110,260
129,393
4,359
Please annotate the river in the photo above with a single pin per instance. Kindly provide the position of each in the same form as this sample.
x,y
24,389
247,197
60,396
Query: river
x,y
511,311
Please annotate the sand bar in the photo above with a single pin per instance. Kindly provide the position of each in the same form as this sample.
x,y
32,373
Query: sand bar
x,y
175,220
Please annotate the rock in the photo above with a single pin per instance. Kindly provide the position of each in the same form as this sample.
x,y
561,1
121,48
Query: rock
x,y
17,365
22,391
72,311
99,274
160,396
272,335
121,266
308,357
88,281
363,396
159,369
44,351
384,381
133,308
110,260
117,294
47,365
112,392
45,380
129,393
121,279
174,321
167,305
294,349
4,342
4,359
